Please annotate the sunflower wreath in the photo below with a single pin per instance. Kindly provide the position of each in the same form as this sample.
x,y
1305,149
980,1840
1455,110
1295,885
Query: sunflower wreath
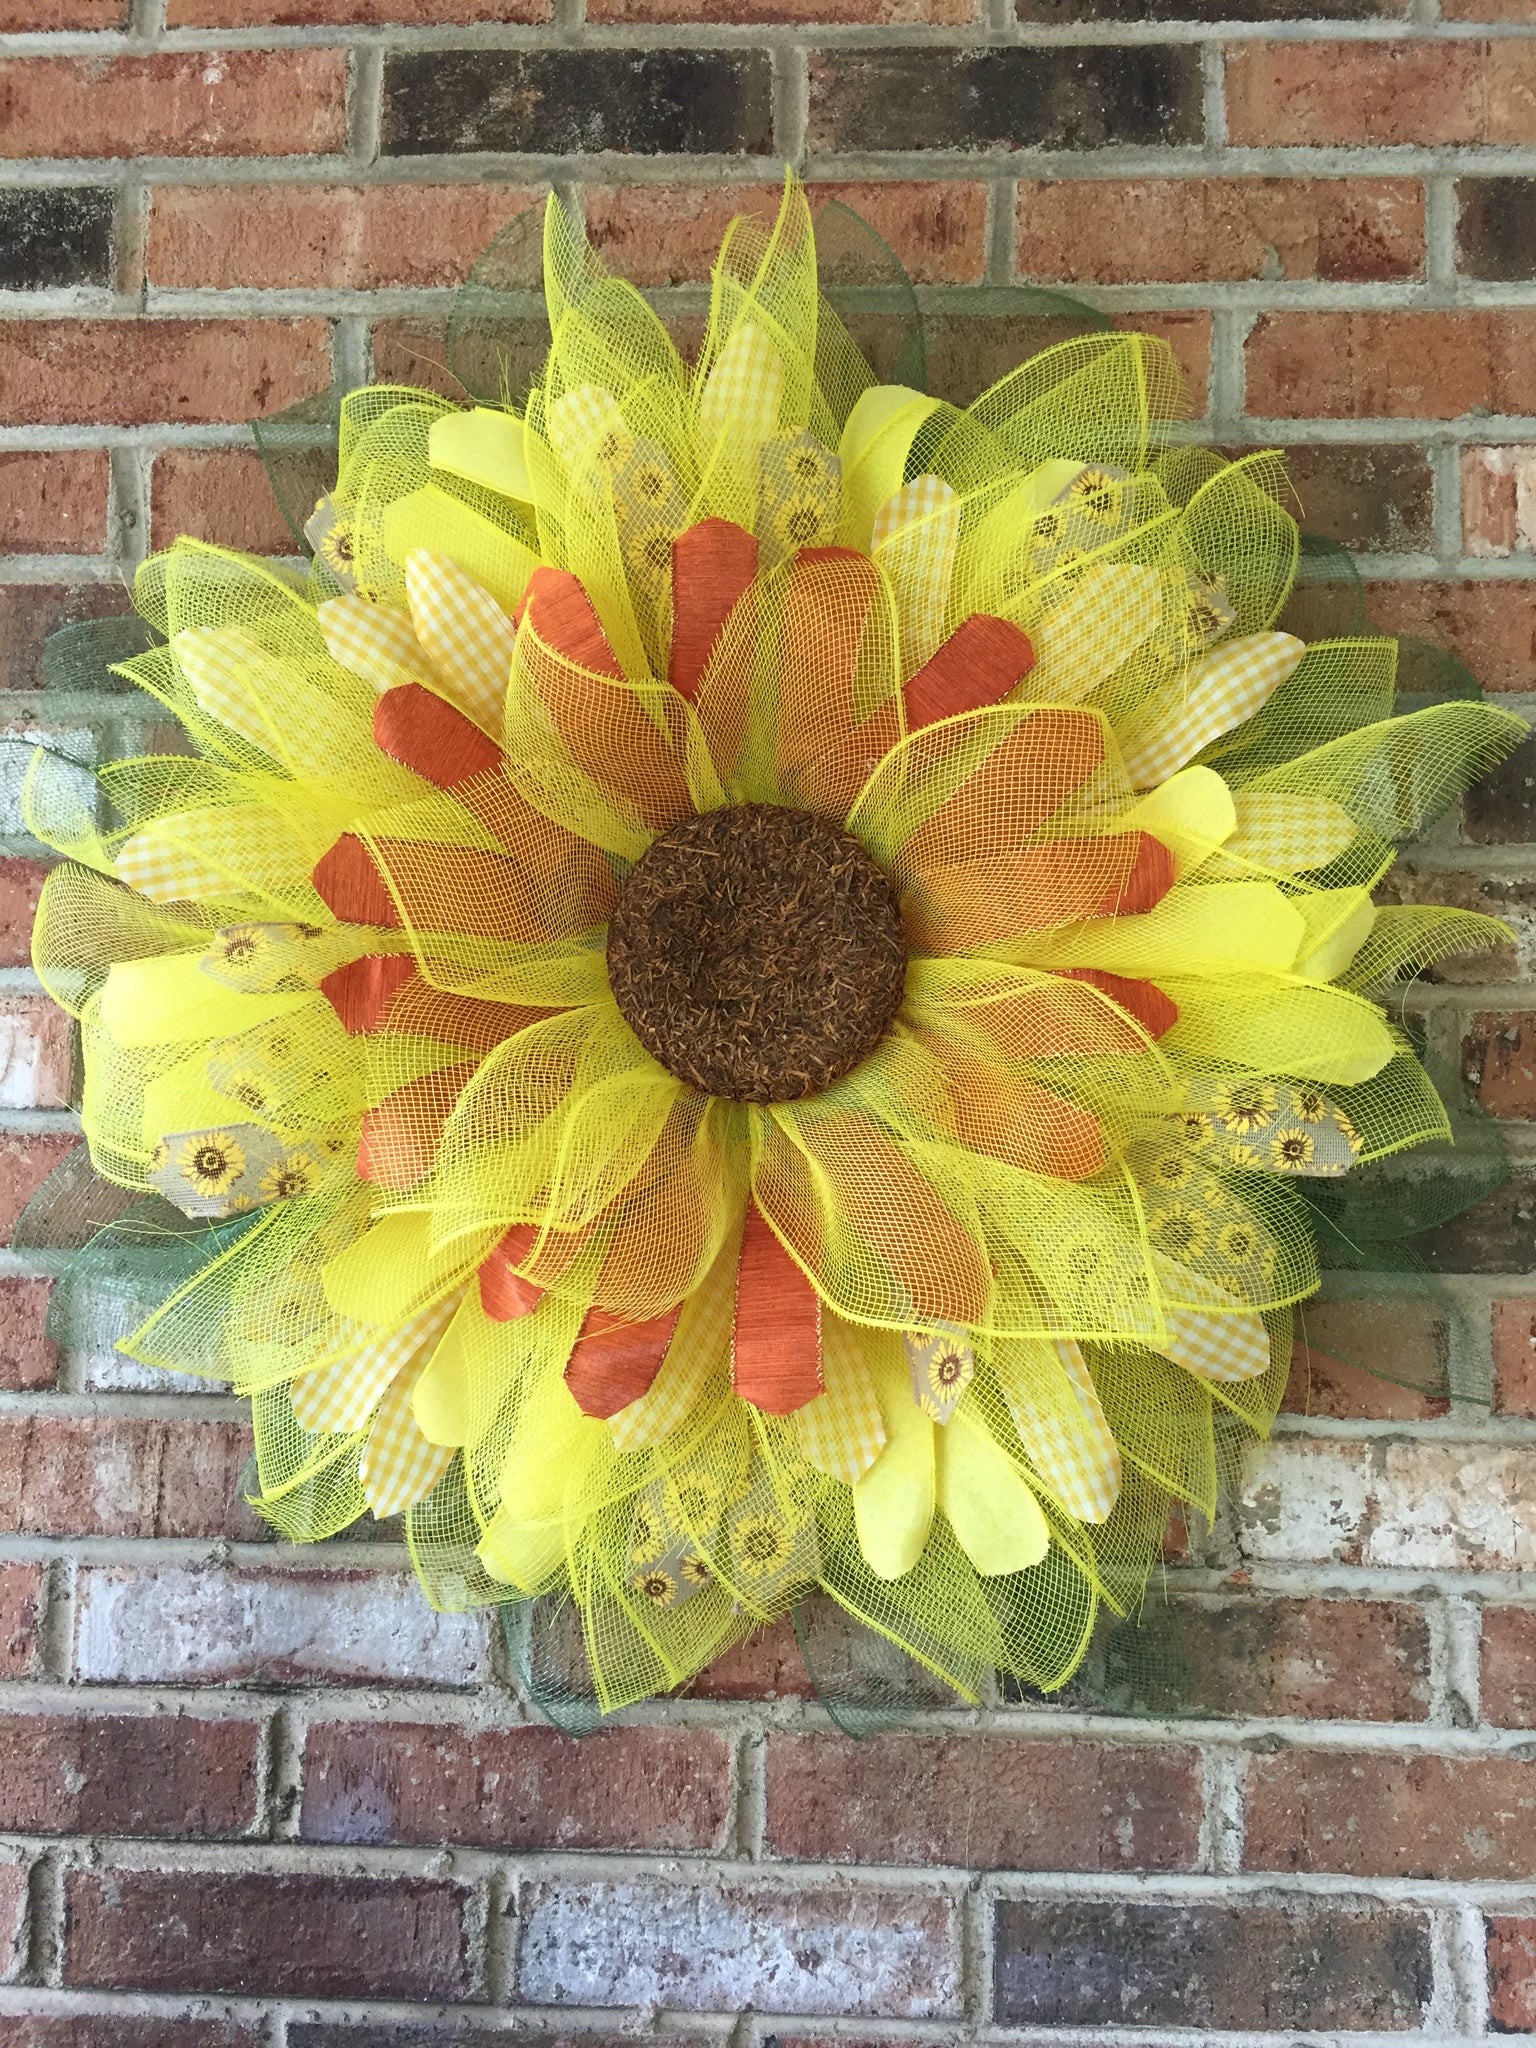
x,y
741,989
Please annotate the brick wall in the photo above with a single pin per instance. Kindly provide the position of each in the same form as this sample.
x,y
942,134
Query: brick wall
x,y
253,1798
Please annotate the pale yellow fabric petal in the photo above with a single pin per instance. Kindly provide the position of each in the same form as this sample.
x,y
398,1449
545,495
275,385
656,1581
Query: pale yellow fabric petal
x,y
743,391
893,1501
841,1432
916,535
371,640
996,1519
342,1395
1192,813
1338,923
1055,1408
484,446
1228,928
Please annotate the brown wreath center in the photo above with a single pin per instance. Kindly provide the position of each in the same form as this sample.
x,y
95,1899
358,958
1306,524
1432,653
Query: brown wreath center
x,y
757,952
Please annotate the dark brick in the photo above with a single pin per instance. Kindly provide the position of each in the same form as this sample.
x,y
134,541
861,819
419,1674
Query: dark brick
x,y
1338,1660
1500,810
1496,228
516,1788
1311,1966
1083,97
442,2033
1512,1975
309,1935
127,1774
1374,499
119,2030
55,235
1494,1236
1205,10
29,612
986,1805
650,102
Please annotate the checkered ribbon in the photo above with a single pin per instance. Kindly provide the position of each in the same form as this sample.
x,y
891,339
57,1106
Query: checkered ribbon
x,y
683,1380
581,416
1234,1347
1093,631
398,1466
1055,1409
166,862
914,540
341,1396
219,665
743,391
465,635
1287,834
373,641
1186,715
840,1432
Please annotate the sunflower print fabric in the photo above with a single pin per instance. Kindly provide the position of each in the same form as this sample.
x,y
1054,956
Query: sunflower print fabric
x,y
754,967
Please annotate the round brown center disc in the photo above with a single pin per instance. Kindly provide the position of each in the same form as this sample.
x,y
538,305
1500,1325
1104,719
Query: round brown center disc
x,y
757,953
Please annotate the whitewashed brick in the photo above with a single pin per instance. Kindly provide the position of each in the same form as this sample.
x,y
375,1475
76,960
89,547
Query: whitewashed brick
x,y
724,1948
182,1625
1422,1506
34,1053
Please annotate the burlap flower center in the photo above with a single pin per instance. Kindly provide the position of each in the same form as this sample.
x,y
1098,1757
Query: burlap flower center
x,y
757,953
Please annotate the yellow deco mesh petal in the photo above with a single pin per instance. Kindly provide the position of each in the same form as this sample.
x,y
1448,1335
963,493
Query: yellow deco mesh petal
x,y
1178,808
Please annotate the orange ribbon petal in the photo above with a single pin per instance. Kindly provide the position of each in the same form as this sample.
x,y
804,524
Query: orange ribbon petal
x,y
1024,781
1143,1000
361,992
712,564
776,1341
563,657
351,886
977,665
614,1362
504,1294
966,904
425,733
400,1136
825,755
1017,1120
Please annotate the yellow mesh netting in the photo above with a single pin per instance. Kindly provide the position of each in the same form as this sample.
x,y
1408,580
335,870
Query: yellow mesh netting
x,y
340,972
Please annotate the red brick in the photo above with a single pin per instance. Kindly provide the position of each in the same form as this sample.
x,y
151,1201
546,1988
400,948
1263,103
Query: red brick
x,y
325,237
1391,365
766,1665
752,12
1514,1358
21,883
1518,11
128,1774
26,1160
1410,92
984,1804
133,372
662,1789
1498,501
1492,626
13,1911
115,2029
36,1053
309,1935
217,494
54,504
1391,1816
198,103
29,612
1194,230
1512,1974
21,1600
670,234
1509,1666
1498,1059
112,1475
28,1357
349,13
1343,1345
18,17
416,352
1189,336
